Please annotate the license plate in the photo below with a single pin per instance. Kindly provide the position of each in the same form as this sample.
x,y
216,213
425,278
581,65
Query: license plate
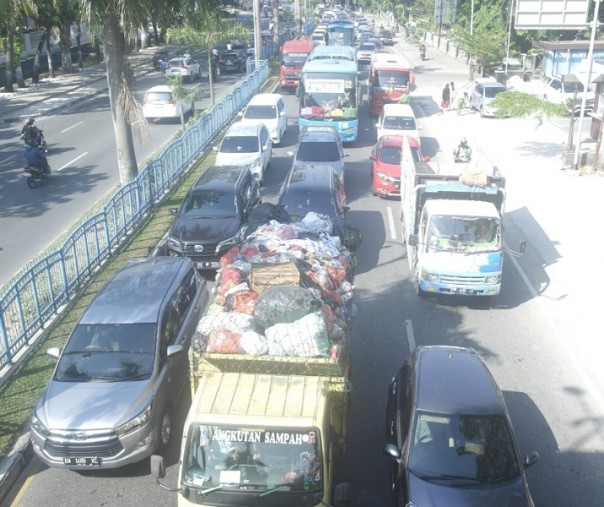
x,y
82,461
463,290
204,265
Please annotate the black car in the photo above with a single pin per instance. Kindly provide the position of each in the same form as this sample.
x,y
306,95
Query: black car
x,y
450,435
386,37
211,219
314,188
162,57
232,61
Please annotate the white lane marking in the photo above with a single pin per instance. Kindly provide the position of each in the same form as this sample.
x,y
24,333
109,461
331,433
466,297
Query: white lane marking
x,y
410,335
72,161
7,159
391,222
563,340
73,126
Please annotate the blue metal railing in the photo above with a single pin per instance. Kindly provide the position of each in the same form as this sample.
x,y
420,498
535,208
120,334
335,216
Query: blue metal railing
x,y
37,294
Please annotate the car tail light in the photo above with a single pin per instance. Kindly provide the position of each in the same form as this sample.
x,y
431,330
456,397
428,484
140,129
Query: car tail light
x,y
170,101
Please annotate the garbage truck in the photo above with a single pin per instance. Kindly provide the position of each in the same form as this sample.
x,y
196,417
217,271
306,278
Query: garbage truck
x,y
451,218
269,373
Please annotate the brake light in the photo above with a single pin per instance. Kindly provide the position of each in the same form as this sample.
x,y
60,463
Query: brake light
x,y
170,101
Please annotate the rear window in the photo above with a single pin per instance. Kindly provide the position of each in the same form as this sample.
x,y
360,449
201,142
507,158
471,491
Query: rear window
x,y
158,96
174,63
492,91
399,123
300,203
318,152
260,113
240,144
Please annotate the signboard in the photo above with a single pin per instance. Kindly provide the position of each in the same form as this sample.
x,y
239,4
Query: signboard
x,y
551,14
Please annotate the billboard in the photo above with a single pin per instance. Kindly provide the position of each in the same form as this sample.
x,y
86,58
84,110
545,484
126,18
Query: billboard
x,y
551,14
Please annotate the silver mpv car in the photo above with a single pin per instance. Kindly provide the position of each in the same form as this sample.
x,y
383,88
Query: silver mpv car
x,y
111,397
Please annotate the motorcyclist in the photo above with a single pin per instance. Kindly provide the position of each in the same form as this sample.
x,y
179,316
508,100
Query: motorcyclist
x,y
215,58
463,152
35,158
422,51
31,133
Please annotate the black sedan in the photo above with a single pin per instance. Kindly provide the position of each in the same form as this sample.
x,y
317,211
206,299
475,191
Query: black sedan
x,y
231,61
450,435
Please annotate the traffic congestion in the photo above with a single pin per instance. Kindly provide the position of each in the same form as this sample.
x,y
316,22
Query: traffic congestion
x,y
339,288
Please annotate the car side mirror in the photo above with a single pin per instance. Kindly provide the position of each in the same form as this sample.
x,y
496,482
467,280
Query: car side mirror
x,y
530,459
174,350
215,148
345,209
413,240
173,211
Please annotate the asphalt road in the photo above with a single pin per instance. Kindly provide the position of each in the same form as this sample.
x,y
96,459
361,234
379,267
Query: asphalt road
x,y
83,159
554,400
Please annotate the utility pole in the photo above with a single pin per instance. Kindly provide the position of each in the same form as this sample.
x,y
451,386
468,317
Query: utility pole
x,y
440,19
257,39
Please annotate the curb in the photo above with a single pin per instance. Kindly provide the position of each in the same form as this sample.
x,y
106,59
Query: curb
x,y
12,467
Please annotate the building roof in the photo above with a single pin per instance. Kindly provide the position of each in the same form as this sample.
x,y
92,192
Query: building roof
x,y
562,45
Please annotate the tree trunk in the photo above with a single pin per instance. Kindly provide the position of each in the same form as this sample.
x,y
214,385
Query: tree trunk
x,y
19,76
51,65
65,41
35,78
79,39
10,59
113,43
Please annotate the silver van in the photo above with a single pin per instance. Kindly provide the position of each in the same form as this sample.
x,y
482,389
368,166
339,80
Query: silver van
x,y
111,397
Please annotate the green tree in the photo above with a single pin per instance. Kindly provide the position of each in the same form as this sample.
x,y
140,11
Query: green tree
x,y
205,27
9,21
523,105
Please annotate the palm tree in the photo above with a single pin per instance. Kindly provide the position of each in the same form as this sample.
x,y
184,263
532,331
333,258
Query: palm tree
x,y
114,18
205,27
183,94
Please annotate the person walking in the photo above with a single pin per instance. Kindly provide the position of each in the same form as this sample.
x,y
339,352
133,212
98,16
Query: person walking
x,y
453,96
446,98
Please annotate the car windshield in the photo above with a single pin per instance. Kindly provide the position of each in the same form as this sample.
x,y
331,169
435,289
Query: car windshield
x,y
299,204
392,155
318,152
368,46
108,353
209,204
240,144
457,447
453,233
159,97
294,59
257,458
399,123
260,113
391,78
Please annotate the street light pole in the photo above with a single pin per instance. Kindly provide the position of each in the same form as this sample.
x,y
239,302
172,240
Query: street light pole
x,y
590,61
472,18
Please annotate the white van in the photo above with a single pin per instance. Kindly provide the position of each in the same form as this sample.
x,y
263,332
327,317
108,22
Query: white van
x,y
397,120
269,109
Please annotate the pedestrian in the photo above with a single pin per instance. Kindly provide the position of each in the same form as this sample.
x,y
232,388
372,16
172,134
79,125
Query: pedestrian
x,y
461,100
446,98
453,96
405,98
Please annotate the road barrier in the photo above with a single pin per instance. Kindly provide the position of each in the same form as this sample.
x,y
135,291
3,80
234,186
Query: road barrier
x,y
37,294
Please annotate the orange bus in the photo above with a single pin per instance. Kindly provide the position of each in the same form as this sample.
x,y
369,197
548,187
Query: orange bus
x,y
294,55
390,77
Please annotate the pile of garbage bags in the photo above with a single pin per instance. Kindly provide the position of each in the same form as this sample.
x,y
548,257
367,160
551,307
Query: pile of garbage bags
x,y
309,312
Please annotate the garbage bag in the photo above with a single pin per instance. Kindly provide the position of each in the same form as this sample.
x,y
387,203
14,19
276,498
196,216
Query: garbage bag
x,y
263,214
284,304
350,236
306,337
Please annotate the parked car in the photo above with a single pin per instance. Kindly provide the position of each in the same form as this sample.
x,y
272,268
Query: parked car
x,y
246,144
365,53
313,188
397,119
120,374
564,92
319,145
231,61
269,109
214,211
483,92
450,436
185,67
385,161
159,102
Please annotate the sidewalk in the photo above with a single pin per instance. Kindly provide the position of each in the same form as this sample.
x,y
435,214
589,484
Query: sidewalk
x,y
55,93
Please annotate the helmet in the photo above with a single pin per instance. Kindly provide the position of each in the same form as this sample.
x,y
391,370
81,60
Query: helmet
x,y
31,121
463,141
215,52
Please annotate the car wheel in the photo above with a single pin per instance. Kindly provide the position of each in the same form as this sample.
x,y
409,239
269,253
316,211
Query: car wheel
x,y
481,112
165,431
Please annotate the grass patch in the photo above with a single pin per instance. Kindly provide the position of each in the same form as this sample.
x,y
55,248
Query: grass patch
x,y
22,390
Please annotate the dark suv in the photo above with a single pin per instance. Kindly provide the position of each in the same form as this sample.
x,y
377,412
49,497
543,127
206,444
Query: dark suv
x,y
313,188
232,61
450,435
210,220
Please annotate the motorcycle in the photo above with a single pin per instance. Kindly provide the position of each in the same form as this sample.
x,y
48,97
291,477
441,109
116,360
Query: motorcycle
x,y
37,174
462,155
40,140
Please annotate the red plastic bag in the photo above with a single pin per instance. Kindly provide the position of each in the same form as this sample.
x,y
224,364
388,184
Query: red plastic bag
x,y
224,342
230,256
245,301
